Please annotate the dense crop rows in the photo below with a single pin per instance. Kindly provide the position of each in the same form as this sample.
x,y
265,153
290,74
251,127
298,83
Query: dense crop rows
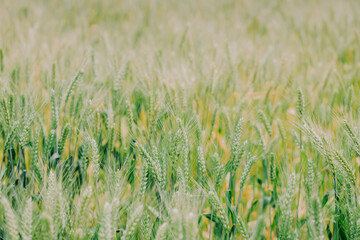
x,y
179,119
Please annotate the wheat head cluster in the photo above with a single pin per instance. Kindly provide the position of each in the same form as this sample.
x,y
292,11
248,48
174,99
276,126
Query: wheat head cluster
x,y
184,120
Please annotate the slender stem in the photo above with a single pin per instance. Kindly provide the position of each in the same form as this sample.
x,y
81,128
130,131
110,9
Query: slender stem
x,y
211,218
336,222
63,118
298,200
228,235
97,194
356,200
2,160
18,164
238,202
72,172
230,193
270,222
76,140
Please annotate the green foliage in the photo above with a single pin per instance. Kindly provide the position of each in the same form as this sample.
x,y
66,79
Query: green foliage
x,y
179,120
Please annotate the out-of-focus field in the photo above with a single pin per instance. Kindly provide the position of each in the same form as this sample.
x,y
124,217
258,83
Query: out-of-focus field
x,y
179,119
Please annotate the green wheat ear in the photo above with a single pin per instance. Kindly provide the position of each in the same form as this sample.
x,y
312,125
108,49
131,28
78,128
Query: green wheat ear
x,y
260,136
346,166
82,209
272,168
106,231
35,160
161,234
132,223
27,221
72,85
285,226
130,116
144,178
61,216
45,228
245,174
11,226
95,158
201,164
50,195
51,143
282,131
352,135
300,109
266,122
54,111
237,159
146,226
215,202
242,228
63,137
235,144
9,141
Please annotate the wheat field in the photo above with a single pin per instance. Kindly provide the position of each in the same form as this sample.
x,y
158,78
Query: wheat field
x,y
208,119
